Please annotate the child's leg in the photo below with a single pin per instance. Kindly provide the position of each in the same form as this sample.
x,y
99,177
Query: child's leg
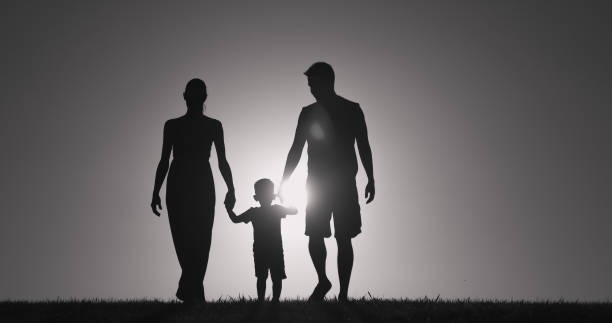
x,y
261,288
277,286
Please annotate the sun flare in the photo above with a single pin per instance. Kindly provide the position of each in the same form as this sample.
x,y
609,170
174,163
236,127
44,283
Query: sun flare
x,y
294,192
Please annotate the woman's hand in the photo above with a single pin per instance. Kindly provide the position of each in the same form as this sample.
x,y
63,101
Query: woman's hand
x,y
230,199
370,191
156,203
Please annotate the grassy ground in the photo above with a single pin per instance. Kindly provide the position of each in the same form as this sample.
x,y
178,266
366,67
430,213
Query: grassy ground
x,y
370,310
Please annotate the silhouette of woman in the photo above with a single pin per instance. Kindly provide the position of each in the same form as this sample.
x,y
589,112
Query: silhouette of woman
x,y
190,190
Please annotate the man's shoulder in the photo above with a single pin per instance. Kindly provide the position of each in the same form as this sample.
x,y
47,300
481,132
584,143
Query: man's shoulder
x,y
308,112
310,107
346,102
353,108
342,101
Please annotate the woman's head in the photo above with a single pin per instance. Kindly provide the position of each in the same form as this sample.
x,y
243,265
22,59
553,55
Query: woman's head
x,y
195,92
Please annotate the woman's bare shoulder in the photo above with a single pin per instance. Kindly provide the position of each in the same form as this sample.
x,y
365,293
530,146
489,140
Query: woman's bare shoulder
x,y
170,123
216,124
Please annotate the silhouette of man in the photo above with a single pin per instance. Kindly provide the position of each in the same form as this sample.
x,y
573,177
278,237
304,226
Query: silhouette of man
x,y
331,126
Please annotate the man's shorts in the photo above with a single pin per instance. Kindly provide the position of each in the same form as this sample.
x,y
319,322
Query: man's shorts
x,y
337,196
269,260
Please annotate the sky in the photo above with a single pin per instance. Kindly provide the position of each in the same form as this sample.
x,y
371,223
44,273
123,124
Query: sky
x,y
490,126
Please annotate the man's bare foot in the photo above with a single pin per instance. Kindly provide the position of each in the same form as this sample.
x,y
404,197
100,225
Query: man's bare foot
x,y
197,301
318,294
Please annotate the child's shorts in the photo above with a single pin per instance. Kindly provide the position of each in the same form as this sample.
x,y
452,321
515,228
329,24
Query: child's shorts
x,y
272,261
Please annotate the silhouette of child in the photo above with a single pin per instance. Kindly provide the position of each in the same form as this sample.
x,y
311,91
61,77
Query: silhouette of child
x,y
267,240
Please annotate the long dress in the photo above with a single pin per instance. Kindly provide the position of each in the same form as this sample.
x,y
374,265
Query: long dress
x,y
190,198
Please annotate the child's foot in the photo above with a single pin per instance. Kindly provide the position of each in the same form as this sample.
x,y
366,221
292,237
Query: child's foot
x,y
318,294
275,301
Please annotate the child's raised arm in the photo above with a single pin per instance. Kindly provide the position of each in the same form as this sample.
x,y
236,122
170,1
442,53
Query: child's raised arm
x,y
232,215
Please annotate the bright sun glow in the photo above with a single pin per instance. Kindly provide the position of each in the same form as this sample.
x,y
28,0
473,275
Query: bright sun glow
x,y
294,194
294,191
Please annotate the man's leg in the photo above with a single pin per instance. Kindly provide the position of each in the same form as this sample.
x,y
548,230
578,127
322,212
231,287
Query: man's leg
x,y
345,266
318,254
277,286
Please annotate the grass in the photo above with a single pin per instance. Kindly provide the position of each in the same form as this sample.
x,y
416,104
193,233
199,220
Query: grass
x,y
297,311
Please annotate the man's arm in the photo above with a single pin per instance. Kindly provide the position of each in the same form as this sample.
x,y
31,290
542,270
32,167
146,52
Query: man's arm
x,y
295,152
365,153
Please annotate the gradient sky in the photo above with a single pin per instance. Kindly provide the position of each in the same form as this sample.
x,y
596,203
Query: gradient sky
x,y
490,126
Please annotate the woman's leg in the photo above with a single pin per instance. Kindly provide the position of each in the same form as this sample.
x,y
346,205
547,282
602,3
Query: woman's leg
x,y
176,217
191,233
202,251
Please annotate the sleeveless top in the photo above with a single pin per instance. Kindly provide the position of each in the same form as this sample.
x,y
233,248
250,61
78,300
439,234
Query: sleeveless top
x,y
192,138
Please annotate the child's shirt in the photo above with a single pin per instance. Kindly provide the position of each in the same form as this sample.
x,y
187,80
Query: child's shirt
x,y
266,227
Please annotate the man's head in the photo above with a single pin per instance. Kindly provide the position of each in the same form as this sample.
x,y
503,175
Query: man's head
x,y
264,191
195,92
320,80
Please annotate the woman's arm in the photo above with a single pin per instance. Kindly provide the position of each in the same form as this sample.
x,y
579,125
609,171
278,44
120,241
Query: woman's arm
x,y
162,169
224,167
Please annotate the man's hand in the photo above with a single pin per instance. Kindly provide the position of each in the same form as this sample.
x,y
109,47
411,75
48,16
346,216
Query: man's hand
x,y
369,192
156,203
230,200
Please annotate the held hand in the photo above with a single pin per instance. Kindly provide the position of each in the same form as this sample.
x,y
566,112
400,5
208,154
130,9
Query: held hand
x,y
229,208
369,192
156,203
280,193
230,200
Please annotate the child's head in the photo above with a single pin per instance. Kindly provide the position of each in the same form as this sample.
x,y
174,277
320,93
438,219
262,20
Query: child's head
x,y
264,191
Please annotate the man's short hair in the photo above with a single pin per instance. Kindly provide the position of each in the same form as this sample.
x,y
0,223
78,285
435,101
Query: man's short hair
x,y
322,71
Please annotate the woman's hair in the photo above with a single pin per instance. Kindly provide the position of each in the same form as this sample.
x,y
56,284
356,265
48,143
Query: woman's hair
x,y
195,90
